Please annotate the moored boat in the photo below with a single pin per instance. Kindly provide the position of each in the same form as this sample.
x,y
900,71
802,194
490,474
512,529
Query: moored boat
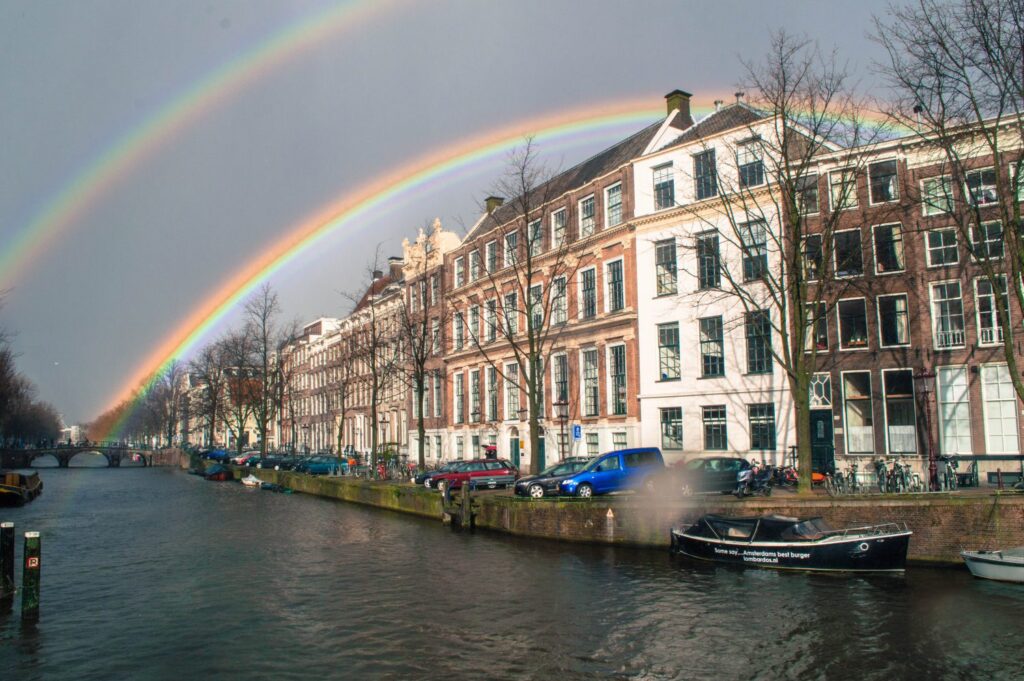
x,y
17,488
1002,566
251,481
787,543
218,473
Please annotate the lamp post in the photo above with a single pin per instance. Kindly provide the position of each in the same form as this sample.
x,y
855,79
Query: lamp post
x,y
923,387
383,430
562,411
305,437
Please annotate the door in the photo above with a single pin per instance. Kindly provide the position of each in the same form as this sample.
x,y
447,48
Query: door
x,y
540,454
823,444
513,448
608,475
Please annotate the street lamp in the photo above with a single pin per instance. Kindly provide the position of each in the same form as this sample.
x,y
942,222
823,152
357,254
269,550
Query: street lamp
x,y
562,412
381,437
923,387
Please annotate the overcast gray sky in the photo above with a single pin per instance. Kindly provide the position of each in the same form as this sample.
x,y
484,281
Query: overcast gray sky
x,y
77,76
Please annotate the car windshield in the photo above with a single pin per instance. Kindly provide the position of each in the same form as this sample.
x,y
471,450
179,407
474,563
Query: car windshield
x,y
559,469
596,461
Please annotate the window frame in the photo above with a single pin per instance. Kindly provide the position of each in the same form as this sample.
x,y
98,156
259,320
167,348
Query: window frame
x,y
459,272
581,218
988,366
659,245
970,195
491,263
839,325
608,205
580,299
712,235
698,177
878,315
664,377
559,220
994,312
769,357
871,411
611,376
831,195
762,419
674,421
758,162
585,386
670,183
535,237
933,319
711,343
945,182
896,182
835,253
928,250
885,411
709,417
902,249
609,281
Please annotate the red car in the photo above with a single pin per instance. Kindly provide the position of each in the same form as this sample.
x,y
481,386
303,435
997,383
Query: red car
x,y
483,473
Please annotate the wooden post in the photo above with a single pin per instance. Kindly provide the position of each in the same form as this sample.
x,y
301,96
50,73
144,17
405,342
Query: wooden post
x,y
467,507
6,562
30,576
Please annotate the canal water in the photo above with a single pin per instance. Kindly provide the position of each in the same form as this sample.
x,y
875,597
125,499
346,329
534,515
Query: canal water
x,y
155,574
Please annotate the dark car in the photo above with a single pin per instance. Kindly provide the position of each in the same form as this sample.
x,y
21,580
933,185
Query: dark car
x,y
277,462
536,486
425,477
489,473
707,475
625,469
217,455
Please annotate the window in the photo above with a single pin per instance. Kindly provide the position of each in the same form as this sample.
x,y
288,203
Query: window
x,y
843,189
460,272
460,447
561,378
712,347
813,261
941,245
664,187
715,436
900,419
587,220
671,428
588,293
511,312
491,251
820,391
616,286
435,335
437,395
1015,180
491,320
474,323
981,186
458,330
990,331
761,418
590,387
882,182
559,301
619,441
937,195
754,236
668,351
759,342
536,236
511,248
413,298
947,315
705,175
709,273
617,369
859,422
988,240
888,248
558,228
474,396
954,411
665,266
849,254
749,164
853,324
893,320
999,403
511,392
594,448
492,394
537,306
807,194
815,327
460,398
474,265
435,288
613,205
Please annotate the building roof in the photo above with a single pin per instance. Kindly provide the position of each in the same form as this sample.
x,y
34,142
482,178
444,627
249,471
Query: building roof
x,y
732,116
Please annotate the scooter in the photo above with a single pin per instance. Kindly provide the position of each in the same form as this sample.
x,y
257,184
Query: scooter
x,y
754,480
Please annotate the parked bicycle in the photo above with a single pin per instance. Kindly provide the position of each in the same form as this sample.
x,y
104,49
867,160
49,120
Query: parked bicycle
x,y
948,479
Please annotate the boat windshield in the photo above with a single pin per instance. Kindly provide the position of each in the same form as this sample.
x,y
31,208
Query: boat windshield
x,y
807,530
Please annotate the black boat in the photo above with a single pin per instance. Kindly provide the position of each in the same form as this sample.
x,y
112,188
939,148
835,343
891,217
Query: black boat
x,y
17,488
793,544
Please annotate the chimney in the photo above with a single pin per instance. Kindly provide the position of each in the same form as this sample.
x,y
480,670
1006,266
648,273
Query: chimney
x,y
740,96
377,274
679,100
718,104
493,203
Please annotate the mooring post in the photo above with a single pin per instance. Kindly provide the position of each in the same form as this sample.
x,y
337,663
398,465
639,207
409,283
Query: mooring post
x,y
6,562
30,576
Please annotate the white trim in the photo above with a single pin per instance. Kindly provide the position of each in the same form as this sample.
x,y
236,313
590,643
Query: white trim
x,y
839,326
579,216
579,293
921,197
931,313
928,251
938,407
874,248
853,194
984,410
621,204
878,316
995,313
564,212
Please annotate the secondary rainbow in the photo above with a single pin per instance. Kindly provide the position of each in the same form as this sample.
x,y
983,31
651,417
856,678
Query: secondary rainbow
x,y
116,160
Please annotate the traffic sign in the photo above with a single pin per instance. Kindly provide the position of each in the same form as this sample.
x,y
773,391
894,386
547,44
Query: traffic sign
x,y
577,432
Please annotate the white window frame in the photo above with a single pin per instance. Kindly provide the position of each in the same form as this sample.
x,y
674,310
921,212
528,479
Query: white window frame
x,y
878,316
995,187
583,382
510,256
559,216
512,388
839,326
669,167
474,328
553,361
885,412
928,249
607,205
535,246
559,315
961,369
871,402
608,281
460,414
835,254
903,247
995,314
946,180
871,195
474,259
488,247
985,408
932,318
579,296
459,275
579,216
609,387
851,196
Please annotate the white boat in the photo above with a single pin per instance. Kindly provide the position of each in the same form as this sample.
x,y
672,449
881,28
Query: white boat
x,y
1003,566
251,481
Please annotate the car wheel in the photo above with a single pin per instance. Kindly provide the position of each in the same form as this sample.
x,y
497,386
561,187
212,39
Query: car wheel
x,y
686,490
536,491
441,485
585,491
426,483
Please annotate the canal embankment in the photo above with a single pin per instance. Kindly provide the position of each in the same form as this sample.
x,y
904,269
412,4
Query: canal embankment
x,y
943,524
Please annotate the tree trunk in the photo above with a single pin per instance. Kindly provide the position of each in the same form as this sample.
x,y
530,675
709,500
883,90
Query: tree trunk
x,y
421,428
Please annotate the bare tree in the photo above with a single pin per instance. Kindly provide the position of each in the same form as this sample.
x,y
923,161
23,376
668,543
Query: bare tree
x,y
163,399
241,382
261,311
346,378
956,71
209,368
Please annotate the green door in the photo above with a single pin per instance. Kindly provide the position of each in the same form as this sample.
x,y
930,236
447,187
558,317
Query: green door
x,y
513,448
823,444
540,454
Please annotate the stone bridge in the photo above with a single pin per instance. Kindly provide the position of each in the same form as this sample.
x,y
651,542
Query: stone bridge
x,y
113,452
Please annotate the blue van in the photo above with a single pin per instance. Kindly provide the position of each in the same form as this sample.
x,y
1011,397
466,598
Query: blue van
x,y
616,471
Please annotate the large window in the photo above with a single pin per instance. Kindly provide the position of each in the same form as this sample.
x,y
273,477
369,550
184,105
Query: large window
x,y
1000,410
588,293
981,186
613,205
616,286
807,194
458,330
813,259
900,418
954,411
671,428
849,254
859,421
474,396
511,248
664,187
460,272
474,323
492,256
460,399
537,306
590,383
762,426
715,435
437,389
842,186
712,347
617,384
988,240
435,287
491,320
705,175
587,219
665,266
511,312
560,370
755,249
759,342
709,271
942,248
474,265
535,234
511,392
853,324
594,448
893,320
559,301
749,164
888,248
668,351
558,228
990,331
815,327
882,182
937,195
492,394
948,315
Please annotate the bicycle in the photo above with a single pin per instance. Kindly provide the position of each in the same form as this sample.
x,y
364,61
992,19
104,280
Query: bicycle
x,y
948,479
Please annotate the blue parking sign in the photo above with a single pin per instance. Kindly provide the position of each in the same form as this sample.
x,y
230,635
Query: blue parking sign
x,y
577,432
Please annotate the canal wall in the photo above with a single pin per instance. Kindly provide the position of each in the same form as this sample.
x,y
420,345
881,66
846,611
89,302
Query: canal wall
x,y
943,524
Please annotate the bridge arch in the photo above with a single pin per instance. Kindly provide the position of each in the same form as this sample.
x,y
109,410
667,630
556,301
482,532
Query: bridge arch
x,y
90,452
49,460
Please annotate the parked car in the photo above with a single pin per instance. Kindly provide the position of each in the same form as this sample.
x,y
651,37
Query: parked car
x,y
243,458
489,473
278,462
425,477
536,486
706,474
321,465
217,455
625,469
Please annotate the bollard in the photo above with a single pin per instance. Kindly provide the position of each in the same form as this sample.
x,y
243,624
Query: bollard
x,y
6,562
30,576
999,478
